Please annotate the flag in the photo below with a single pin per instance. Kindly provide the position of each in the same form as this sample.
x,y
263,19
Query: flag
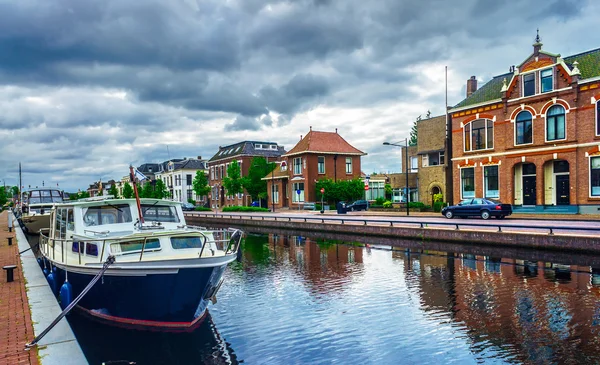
x,y
138,175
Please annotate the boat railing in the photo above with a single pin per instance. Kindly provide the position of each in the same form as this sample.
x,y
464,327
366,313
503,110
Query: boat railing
x,y
226,240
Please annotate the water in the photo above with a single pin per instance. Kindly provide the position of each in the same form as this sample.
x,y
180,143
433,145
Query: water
x,y
295,300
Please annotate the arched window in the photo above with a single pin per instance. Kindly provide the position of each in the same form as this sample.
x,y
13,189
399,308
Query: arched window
x,y
523,128
555,123
479,135
598,118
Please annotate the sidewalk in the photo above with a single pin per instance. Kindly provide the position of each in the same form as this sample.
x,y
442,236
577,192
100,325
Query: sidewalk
x,y
16,328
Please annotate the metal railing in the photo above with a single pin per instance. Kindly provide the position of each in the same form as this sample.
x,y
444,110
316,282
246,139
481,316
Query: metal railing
x,y
226,240
397,223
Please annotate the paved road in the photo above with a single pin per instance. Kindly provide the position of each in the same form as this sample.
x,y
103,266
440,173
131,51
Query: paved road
x,y
562,227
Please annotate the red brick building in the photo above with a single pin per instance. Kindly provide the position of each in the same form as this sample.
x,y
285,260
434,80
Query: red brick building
x,y
317,156
531,137
243,153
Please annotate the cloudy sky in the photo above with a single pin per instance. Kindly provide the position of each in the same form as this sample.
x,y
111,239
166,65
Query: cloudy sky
x,y
89,87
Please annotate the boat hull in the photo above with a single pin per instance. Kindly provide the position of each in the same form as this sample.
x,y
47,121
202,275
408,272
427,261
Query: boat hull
x,y
34,223
168,300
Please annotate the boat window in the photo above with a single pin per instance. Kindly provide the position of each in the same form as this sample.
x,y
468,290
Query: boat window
x,y
186,242
91,249
135,246
60,231
159,213
70,220
106,214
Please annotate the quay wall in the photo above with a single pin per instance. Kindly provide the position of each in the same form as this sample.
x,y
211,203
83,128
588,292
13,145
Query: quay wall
x,y
530,240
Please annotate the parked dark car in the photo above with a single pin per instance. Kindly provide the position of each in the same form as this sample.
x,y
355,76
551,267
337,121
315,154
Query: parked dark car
x,y
483,208
187,206
255,203
357,205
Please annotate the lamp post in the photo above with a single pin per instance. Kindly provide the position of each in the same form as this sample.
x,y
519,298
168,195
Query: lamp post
x,y
406,166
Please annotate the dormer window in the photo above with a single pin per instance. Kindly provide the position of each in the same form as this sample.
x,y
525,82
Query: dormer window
x,y
546,83
529,84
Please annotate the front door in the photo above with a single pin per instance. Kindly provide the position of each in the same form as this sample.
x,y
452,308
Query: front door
x,y
562,190
528,190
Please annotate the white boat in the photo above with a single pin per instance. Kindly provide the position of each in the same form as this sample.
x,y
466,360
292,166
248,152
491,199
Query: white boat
x,y
35,208
164,272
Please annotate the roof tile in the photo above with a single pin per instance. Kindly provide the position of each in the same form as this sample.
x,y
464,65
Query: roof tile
x,y
331,142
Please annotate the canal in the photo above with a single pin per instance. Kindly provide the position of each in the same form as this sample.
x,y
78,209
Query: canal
x,y
297,300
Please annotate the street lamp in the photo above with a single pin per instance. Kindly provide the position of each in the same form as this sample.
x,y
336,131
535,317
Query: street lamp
x,y
406,168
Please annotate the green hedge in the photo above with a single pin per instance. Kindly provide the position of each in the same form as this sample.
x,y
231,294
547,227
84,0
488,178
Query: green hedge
x,y
437,206
244,209
202,209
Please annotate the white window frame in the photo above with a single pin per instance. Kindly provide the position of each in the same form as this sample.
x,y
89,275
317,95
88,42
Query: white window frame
x,y
471,136
551,76
319,165
414,167
523,84
484,182
299,166
348,164
275,193
515,129
295,197
597,124
461,183
590,176
546,124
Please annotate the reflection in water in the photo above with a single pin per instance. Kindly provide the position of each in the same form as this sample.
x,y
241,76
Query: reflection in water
x,y
295,300
110,345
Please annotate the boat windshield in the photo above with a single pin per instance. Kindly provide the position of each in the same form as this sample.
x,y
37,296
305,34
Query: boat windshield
x,y
159,213
106,214
44,196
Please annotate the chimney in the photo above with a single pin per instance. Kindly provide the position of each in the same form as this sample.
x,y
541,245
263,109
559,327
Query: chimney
x,y
471,86
199,157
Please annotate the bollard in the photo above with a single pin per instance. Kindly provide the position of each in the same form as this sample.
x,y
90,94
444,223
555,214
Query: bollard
x,y
10,221
9,241
9,272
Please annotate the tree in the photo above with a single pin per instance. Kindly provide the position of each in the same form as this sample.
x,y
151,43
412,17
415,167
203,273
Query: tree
x,y
113,191
147,190
253,183
200,184
160,190
14,191
3,198
233,181
127,191
388,191
342,190
412,140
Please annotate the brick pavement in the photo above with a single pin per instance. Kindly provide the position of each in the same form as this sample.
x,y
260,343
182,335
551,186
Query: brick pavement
x,y
16,328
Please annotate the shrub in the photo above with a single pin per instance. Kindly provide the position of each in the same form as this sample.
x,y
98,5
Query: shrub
x,y
437,206
419,205
191,201
379,201
387,204
202,209
437,198
244,209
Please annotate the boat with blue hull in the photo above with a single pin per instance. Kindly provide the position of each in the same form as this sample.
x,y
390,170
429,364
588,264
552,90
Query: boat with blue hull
x,y
163,272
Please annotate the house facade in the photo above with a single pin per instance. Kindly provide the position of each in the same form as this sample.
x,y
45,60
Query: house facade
x,y
531,137
243,153
317,156
178,176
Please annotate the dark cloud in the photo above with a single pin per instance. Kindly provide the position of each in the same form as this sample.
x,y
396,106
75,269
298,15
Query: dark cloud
x,y
90,87
242,123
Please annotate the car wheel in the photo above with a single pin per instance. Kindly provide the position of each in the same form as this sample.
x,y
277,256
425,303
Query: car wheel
x,y
449,215
502,216
485,214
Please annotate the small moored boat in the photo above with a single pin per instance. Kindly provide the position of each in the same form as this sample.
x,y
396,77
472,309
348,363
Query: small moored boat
x,y
164,271
35,208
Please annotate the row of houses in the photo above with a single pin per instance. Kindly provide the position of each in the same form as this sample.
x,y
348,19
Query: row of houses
x,y
530,137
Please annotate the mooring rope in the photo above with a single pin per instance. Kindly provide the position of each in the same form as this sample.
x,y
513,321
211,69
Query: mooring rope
x,y
109,261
